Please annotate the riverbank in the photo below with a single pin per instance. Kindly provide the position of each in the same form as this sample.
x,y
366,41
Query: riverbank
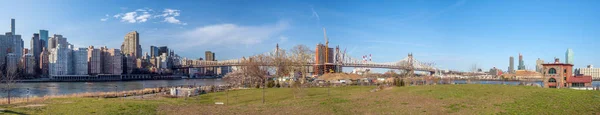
x,y
102,78
431,99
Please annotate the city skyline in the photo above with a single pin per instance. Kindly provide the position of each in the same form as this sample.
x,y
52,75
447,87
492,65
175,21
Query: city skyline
x,y
449,33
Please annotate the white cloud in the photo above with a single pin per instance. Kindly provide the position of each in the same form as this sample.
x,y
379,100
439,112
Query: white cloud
x,y
144,10
118,15
170,12
145,14
143,18
230,34
129,17
173,21
105,18
283,39
169,16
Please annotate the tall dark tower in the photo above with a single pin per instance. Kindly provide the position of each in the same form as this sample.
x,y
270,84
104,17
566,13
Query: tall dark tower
x,y
521,63
12,26
511,65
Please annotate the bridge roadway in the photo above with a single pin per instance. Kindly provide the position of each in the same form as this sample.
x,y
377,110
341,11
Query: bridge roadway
x,y
365,65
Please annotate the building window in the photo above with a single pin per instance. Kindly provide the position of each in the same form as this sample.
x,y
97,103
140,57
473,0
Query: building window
x,y
577,84
552,80
552,71
565,78
565,71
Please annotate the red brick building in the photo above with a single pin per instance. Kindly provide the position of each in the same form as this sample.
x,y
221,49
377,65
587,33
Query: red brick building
x,y
560,75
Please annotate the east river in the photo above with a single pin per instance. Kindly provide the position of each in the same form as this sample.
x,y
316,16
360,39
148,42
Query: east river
x,y
65,88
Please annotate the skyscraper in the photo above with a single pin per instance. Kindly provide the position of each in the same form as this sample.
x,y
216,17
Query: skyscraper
x,y
521,63
57,39
154,51
44,62
51,43
569,56
13,42
209,56
36,47
131,45
44,38
59,61
511,65
12,26
163,49
538,65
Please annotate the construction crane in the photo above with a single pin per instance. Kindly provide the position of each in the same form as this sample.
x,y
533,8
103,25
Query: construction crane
x,y
326,50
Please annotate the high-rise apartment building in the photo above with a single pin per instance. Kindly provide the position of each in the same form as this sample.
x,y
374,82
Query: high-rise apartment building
x,y
521,62
12,63
569,56
12,26
112,61
51,43
538,65
28,64
131,45
94,60
44,38
44,62
10,42
80,64
163,49
154,51
57,39
59,61
128,64
209,56
324,55
36,47
511,65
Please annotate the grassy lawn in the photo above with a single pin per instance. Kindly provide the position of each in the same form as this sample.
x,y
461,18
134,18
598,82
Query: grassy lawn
x,y
437,99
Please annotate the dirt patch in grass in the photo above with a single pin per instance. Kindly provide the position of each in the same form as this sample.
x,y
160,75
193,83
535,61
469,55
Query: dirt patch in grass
x,y
31,105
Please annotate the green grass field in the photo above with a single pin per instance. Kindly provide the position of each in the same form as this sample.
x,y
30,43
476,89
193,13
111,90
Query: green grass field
x,y
436,99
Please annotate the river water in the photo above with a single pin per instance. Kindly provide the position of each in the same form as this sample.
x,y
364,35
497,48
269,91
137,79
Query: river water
x,y
64,88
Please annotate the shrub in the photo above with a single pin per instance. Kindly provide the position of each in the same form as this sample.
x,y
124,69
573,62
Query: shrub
x,y
271,84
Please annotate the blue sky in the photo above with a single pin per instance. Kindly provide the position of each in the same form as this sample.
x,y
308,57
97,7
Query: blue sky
x,y
453,34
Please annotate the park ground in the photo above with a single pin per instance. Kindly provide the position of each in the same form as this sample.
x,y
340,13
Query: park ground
x,y
432,99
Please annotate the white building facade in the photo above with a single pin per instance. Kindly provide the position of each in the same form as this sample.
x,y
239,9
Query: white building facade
x,y
590,70
58,61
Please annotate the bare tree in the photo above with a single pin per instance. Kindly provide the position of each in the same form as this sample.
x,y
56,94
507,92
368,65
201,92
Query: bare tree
x,y
281,62
256,68
300,56
8,78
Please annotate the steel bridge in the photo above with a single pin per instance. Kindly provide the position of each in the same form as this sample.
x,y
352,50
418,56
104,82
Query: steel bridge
x,y
409,63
